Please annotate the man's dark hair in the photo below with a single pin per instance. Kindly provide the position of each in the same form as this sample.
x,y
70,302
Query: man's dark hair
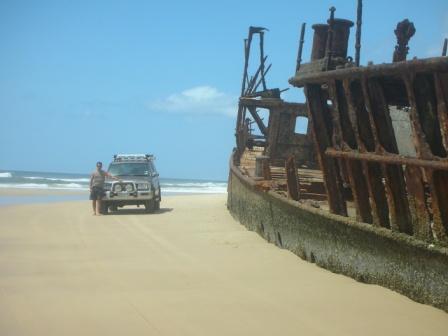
x,y
99,163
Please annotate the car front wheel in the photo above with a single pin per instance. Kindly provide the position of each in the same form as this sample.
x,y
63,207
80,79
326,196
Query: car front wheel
x,y
149,206
104,208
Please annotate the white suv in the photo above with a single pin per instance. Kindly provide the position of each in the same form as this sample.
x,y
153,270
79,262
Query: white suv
x,y
138,185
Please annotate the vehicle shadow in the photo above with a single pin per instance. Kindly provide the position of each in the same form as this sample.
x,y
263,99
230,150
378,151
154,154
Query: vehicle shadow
x,y
138,211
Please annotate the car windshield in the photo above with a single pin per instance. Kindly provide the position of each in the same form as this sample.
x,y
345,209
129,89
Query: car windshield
x,y
129,169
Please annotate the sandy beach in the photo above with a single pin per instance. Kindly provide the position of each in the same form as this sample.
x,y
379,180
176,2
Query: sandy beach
x,y
24,192
189,269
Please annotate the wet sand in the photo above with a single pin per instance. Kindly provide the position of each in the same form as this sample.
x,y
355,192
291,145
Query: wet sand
x,y
18,192
189,269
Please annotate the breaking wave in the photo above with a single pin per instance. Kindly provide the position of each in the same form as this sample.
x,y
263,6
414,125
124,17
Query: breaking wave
x,y
57,179
41,180
211,190
67,186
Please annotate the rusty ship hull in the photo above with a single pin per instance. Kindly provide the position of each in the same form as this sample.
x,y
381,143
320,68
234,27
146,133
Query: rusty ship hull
x,y
364,191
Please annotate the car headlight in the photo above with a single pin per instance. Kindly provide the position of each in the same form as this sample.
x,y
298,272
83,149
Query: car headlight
x,y
143,186
129,187
118,187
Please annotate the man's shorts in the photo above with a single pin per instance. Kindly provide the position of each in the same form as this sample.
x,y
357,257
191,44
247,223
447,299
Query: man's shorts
x,y
97,193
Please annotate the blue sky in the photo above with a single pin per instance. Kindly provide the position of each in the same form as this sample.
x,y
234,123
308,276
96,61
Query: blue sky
x,y
82,80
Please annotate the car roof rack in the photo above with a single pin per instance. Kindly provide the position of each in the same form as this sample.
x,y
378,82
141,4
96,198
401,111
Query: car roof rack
x,y
133,157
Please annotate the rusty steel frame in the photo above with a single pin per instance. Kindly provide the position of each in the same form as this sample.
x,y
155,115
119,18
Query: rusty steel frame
x,y
292,180
354,135
358,33
301,41
252,100
388,158
350,125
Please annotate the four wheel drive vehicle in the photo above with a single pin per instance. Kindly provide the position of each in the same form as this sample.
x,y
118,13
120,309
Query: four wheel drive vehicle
x,y
138,185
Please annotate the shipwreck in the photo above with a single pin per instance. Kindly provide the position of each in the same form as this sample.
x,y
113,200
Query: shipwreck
x,y
363,191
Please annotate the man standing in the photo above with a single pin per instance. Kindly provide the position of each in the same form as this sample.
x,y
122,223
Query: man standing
x,y
97,187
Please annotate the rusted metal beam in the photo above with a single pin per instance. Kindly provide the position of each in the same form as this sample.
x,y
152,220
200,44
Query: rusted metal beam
x,y
298,109
421,220
302,40
292,180
337,139
328,48
263,76
421,146
376,144
380,117
344,126
321,132
441,88
272,138
428,138
427,111
242,135
435,64
439,179
393,175
388,158
424,152
400,216
239,117
260,124
267,94
377,192
438,182
254,77
358,32
363,133
246,65
354,111
262,60
337,136
373,171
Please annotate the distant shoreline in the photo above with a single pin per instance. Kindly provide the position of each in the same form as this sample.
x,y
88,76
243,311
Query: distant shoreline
x,y
65,184
81,175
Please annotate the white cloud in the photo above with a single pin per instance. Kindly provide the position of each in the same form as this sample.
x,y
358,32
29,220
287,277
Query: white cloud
x,y
198,100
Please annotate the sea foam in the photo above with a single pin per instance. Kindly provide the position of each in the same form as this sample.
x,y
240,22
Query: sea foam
x,y
48,181
64,186
57,179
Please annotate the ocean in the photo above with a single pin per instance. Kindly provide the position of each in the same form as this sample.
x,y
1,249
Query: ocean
x,y
80,182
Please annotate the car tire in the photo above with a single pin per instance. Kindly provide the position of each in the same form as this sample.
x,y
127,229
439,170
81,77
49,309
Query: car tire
x,y
104,208
157,205
149,206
